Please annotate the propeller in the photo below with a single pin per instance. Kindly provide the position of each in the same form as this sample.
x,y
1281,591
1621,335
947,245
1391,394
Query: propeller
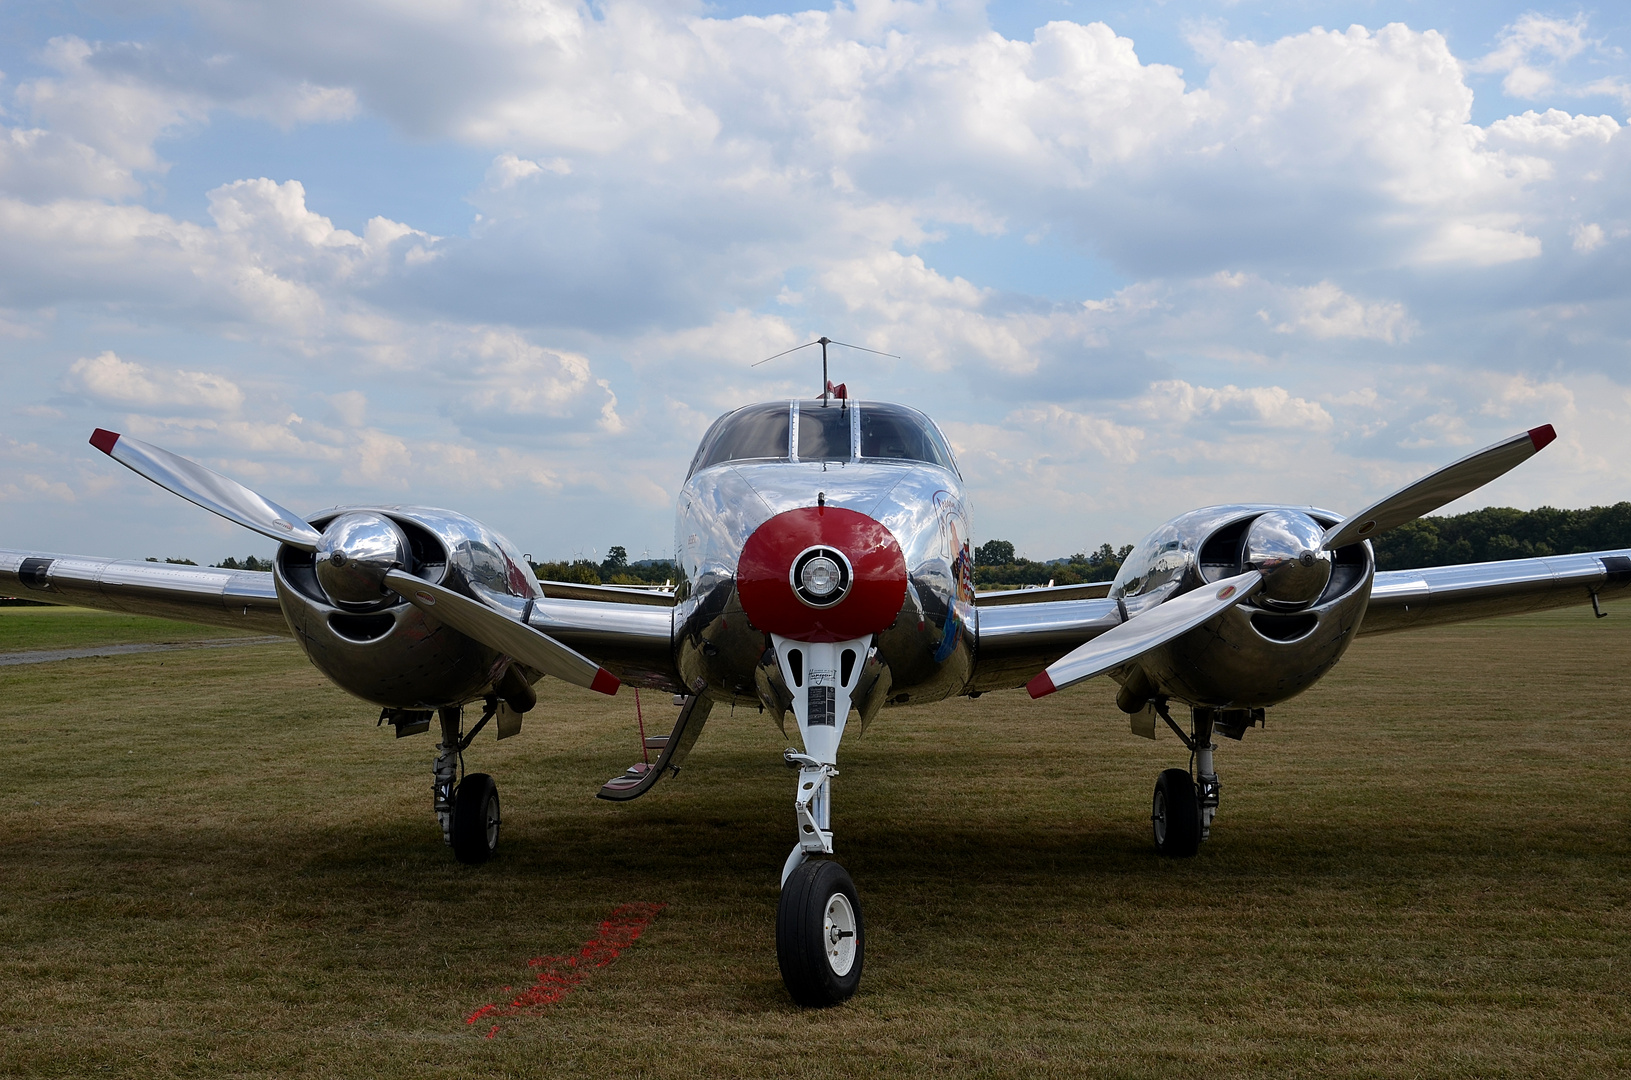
x,y
209,489
1290,562
361,555
1436,489
497,630
1137,636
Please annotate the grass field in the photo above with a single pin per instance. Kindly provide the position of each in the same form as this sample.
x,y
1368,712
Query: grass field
x,y
27,629
215,865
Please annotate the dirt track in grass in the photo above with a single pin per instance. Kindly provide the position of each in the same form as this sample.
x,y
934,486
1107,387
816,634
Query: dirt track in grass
x,y
215,865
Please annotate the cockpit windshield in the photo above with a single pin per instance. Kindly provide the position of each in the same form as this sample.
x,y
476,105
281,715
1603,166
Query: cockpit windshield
x,y
895,432
832,432
825,431
755,432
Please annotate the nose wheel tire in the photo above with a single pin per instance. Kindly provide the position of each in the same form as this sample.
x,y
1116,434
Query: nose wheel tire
x,y
475,819
1175,815
820,936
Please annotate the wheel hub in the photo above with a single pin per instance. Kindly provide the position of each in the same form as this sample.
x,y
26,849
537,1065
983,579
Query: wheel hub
x,y
839,933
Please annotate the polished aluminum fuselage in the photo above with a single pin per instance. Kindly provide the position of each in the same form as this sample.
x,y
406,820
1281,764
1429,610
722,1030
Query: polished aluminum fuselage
x,y
927,653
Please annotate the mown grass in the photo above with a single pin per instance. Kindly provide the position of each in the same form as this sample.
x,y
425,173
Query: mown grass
x,y
215,865
30,629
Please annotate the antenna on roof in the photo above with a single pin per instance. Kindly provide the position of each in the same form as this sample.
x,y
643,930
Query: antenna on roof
x,y
826,384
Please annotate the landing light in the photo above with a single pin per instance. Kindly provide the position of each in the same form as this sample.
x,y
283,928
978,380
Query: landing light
x,y
821,576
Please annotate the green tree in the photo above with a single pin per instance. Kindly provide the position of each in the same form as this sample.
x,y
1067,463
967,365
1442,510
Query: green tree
x,y
994,553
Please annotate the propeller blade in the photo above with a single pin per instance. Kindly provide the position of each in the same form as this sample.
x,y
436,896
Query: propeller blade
x,y
208,489
497,630
1433,491
1144,632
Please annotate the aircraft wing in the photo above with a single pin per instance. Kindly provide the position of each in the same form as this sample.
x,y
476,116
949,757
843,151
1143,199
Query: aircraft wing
x,y
632,639
1405,599
1015,640
237,599
1092,590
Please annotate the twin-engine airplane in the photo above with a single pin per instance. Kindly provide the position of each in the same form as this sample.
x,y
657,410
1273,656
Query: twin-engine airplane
x,y
825,569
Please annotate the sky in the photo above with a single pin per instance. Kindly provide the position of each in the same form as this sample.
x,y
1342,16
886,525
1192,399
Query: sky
x,y
512,258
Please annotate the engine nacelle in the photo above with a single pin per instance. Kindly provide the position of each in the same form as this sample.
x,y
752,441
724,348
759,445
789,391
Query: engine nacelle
x,y
376,645
1258,653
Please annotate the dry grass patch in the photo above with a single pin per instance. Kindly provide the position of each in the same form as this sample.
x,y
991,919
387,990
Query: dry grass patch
x,y
216,865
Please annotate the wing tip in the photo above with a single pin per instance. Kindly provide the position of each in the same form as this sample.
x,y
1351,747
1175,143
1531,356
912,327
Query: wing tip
x,y
605,682
1041,686
103,440
1542,436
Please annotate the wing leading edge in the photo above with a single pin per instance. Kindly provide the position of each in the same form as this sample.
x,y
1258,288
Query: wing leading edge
x,y
1406,599
1016,640
238,599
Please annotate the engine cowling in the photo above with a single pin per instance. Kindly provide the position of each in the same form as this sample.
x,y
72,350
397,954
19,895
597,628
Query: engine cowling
x,y
374,644
1266,650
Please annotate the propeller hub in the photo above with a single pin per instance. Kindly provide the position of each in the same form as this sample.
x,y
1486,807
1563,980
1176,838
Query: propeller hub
x,y
354,554
1285,547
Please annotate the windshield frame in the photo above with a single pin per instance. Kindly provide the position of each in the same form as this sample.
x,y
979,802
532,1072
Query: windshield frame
x,y
853,412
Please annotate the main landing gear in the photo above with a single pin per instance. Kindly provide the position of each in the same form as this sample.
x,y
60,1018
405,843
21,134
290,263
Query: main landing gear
x,y
820,933
467,809
1183,808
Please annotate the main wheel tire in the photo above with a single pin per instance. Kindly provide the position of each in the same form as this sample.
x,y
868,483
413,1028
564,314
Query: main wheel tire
x,y
475,819
820,938
1175,815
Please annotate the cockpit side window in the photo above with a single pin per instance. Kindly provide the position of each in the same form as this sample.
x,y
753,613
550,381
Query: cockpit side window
x,y
893,432
755,432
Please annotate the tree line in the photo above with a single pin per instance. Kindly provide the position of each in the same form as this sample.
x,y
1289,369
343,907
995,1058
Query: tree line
x,y
1499,532
1488,535
614,569
996,566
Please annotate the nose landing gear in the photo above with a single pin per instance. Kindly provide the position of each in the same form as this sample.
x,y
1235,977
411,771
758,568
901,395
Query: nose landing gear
x,y
820,934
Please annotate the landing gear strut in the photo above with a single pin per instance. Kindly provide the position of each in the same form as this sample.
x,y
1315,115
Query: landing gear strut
x,y
820,935
1182,809
468,809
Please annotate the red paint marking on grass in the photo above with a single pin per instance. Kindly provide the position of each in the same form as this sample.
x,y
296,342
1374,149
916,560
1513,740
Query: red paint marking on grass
x,y
558,976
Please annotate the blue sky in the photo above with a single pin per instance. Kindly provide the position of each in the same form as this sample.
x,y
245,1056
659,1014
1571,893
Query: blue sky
x,y
512,258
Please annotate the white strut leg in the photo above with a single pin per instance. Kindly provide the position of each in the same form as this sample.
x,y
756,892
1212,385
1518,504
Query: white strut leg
x,y
1207,787
822,676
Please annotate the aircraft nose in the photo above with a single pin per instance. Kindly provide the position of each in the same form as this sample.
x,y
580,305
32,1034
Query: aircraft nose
x,y
821,573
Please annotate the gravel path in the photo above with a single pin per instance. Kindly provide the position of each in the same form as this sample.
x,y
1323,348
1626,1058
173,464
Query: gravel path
x,y
48,655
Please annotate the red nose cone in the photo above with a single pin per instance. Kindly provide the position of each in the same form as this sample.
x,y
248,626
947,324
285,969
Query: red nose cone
x,y
873,584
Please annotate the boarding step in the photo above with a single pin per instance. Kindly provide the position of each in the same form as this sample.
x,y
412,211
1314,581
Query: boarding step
x,y
672,749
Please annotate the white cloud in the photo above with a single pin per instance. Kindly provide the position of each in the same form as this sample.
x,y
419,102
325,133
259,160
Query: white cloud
x,y
1325,311
1531,48
668,197
1587,237
1478,245
1178,403
123,382
516,384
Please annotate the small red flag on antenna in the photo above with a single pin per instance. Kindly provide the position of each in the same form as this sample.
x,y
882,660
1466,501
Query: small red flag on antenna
x,y
838,391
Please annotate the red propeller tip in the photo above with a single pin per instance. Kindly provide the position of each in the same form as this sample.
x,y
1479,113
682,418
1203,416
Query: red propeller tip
x,y
104,439
1041,686
605,682
1542,436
